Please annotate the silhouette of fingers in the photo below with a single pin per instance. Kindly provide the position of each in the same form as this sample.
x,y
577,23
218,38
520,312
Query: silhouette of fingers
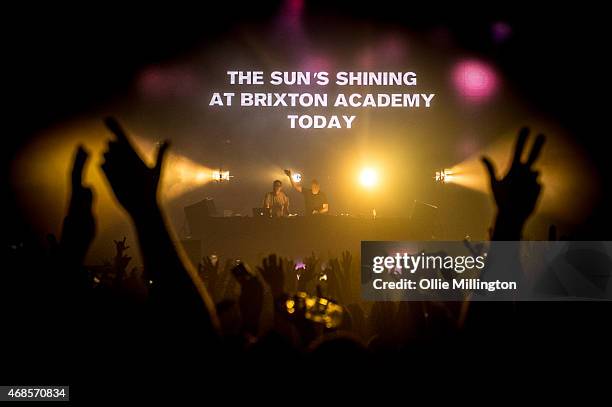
x,y
79,164
490,169
535,150
106,167
520,146
113,125
161,153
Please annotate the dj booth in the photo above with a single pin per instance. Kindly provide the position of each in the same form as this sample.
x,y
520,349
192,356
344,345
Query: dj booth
x,y
252,238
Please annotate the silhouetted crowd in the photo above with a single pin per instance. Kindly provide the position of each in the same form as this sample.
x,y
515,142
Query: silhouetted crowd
x,y
230,319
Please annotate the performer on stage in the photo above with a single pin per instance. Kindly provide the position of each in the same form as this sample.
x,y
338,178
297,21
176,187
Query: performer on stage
x,y
315,201
276,203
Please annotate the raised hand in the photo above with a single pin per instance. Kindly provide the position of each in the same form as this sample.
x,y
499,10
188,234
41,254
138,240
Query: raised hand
x,y
309,272
311,263
134,183
290,278
79,225
121,260
251,298
516,194
335,279
120,246
178,287
272,272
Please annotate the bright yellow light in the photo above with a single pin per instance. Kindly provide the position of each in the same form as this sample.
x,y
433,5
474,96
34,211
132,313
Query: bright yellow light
x,y
368,177
219,175
297,177
445,176
564,168
201,176
182,175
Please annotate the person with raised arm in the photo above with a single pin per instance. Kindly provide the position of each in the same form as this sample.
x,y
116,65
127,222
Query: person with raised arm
x,y
517,193
515,196
315,201
176,286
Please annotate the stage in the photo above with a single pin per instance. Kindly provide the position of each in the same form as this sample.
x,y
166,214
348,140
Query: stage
x,y
252,238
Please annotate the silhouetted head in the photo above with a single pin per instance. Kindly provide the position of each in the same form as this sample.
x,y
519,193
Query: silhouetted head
x,y
277,186
314,185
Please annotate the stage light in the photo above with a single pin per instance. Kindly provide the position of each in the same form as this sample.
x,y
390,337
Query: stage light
x,y
297,177
183,175
474,80
563,166
221,176
444,176
201,176
368,177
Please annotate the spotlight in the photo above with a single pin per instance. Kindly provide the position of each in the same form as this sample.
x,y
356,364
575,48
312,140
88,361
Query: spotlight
x,y
296,176
443,176
201,176
368,177
474,80
221,176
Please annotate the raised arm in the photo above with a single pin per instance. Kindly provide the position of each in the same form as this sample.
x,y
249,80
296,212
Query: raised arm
x,y
517,193
175,281
297,187
79,226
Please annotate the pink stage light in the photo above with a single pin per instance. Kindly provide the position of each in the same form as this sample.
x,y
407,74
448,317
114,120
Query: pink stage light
x,y
475,81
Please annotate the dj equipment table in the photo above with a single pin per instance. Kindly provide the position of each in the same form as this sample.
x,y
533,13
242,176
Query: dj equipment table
x,y
251,238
